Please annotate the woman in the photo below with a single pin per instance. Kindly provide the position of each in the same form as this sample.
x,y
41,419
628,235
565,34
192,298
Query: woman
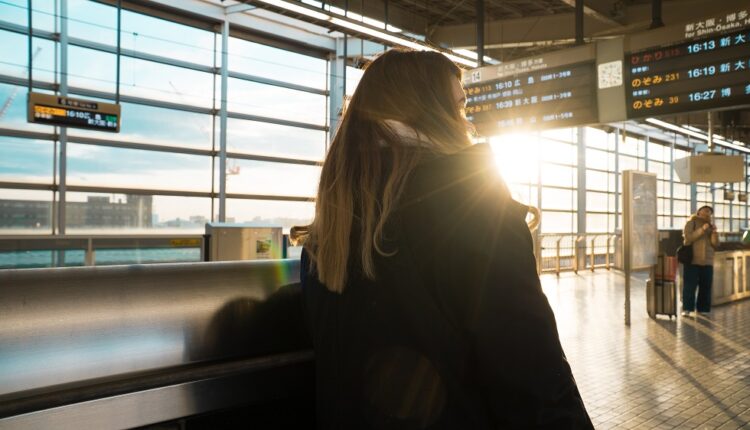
x,y
702,235
418,271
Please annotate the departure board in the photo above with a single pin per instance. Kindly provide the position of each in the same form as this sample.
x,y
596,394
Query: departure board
x,y
69,112
531,94
700,74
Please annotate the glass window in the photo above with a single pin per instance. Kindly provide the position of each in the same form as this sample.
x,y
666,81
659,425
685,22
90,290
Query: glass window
x,y
596,138
628,163
24,212
657,152
597,159
558,152
15,11
156,81
166,38
558,222
116,167
560,176
596,180
91,69
93,212
597,223
515,166
276,102
553,198
13,99
274,179
598,202
90,20
561,134
268,212
148,124
14,58
525,194
251,137
273,63
681,207
353,76
26,160
630,146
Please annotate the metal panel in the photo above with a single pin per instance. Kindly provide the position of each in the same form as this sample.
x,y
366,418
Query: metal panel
x,y
238,242
175,401
611,97
62,326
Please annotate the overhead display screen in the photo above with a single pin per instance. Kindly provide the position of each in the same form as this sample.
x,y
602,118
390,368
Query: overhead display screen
x,y
69,112
537,93
702,74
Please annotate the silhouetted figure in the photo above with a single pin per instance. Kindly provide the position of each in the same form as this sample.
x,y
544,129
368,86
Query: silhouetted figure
x,y
418,271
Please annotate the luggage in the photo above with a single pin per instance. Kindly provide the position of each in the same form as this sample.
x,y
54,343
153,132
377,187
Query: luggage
x,y
661,298
661,290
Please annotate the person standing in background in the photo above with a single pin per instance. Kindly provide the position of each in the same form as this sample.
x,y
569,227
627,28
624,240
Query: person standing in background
x,y
701,234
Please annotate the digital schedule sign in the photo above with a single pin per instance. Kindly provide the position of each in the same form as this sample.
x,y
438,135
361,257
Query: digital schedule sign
x,y
712,72
69,112
537,93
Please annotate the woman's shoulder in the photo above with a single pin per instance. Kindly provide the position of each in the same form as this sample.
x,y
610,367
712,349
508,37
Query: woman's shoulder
x,y
466,184
466,168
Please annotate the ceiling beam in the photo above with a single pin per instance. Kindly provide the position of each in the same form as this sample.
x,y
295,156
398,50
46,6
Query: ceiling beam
x,y
397,15
594,13
562,25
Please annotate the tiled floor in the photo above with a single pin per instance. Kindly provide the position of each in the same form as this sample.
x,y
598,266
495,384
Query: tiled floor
x,y
656,374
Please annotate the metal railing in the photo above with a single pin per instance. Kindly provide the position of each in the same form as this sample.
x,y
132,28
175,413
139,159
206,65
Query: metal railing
x,y
563,252
81,250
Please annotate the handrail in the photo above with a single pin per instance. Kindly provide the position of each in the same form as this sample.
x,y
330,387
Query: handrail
x,y
572,256
83,391
91,243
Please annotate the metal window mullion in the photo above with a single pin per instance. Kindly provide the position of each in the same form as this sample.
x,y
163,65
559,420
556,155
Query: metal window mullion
x,y
22,29
139,146
158,148
102,47
138,191
27,186
9,132
581,191
271,159
731,208
671,183
275,83
617,179
62,186
223,121
284,122
167,105
746,181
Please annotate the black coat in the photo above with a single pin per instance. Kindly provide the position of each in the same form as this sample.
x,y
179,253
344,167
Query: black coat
x,y
455,332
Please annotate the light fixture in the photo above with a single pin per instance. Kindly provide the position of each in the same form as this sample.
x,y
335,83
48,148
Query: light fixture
x,y
297,9
362,28
691,131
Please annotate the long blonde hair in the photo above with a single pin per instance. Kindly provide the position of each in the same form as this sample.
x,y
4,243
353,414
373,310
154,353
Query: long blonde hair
x,y
358,190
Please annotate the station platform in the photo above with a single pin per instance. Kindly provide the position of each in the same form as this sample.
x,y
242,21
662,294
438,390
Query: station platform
x,y
688,373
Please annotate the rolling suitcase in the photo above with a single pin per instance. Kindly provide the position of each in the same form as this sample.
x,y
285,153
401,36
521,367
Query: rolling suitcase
x,y
661,290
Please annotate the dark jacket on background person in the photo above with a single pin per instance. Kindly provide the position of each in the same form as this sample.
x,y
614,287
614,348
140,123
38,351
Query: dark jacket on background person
x,y
704,243
455,332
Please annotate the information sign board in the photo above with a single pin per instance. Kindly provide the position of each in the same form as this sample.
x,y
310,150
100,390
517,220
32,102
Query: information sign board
x,y
703,73
62,111
550,91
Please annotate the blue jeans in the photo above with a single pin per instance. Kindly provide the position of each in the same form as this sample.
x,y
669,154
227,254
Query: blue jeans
x,y
700,277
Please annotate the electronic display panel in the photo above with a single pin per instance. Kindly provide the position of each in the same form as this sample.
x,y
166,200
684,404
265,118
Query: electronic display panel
x,y
70,112
712,72
533,94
